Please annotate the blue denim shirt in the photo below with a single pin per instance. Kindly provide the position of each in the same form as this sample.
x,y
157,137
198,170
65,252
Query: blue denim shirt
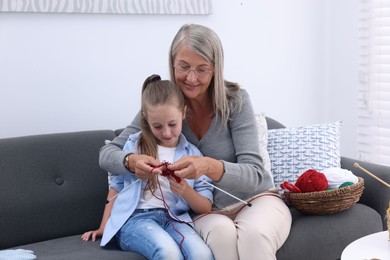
x,y
126,202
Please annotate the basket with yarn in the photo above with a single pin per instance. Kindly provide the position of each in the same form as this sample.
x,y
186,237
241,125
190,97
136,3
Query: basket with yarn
x,y
323,193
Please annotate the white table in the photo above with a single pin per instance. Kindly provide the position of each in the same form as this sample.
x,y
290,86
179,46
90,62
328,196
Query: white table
x,y
374,246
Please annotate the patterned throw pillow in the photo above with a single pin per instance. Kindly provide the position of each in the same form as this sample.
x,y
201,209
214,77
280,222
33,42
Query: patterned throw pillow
x,y
263,139
292,151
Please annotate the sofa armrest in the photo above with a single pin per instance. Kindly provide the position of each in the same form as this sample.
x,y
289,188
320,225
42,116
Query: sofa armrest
x,y
375,195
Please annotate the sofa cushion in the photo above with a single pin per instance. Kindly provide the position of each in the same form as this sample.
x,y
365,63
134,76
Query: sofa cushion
x,y
324,237
74,248
263,139
295,150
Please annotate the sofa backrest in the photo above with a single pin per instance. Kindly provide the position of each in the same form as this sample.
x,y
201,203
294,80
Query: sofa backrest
x,y
51,186
271,124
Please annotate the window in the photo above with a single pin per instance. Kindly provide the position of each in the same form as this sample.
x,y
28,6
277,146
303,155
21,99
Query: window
x,y
374,79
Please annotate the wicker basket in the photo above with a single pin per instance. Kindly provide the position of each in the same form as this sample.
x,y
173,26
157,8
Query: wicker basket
x,y
326,202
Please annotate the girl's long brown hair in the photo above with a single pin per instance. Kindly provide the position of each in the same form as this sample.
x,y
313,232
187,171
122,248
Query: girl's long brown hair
x,y
155,92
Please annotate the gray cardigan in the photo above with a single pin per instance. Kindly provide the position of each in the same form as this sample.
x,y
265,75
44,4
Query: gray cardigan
x,y
235,144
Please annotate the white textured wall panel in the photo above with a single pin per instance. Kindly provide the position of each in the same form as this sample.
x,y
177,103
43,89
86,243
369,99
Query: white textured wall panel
x,y
202,7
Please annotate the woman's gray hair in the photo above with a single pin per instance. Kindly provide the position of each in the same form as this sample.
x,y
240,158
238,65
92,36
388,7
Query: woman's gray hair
x,y
206,43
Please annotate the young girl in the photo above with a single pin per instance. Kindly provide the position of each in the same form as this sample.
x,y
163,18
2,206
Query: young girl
x,y
151,217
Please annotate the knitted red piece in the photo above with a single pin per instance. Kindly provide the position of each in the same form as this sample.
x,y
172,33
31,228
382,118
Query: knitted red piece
x,y
312,180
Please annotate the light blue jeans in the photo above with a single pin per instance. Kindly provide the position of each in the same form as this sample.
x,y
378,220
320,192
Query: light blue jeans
x,y
152,233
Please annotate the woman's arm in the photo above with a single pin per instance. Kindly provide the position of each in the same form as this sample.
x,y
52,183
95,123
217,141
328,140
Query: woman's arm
x,y
248,168
112,156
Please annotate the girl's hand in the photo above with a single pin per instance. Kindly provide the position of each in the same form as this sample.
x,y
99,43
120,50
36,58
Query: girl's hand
x,y
198,203
143,166
178,188
92,235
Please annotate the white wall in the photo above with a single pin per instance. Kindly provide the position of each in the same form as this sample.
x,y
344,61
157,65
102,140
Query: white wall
x,y
72,72
341,77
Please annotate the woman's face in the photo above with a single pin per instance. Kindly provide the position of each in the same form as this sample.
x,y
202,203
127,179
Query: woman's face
x,y
193,73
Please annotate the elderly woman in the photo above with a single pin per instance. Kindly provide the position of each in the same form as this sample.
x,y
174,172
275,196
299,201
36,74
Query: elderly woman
x,y
220,122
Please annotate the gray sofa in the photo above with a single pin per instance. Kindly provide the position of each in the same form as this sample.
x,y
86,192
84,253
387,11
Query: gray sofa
x,y
52,190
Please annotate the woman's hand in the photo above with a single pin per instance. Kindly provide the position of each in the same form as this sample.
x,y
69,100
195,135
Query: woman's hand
x,y
92,235
142,166
192,167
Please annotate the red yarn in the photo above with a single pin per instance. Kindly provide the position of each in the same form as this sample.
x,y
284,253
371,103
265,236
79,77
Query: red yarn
x,y
312,180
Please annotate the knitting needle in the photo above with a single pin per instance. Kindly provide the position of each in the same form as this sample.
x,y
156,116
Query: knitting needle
x,y
372,175
116,195
231,195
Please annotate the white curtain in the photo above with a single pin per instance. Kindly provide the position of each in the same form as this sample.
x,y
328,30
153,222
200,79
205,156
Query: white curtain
x,y
374,78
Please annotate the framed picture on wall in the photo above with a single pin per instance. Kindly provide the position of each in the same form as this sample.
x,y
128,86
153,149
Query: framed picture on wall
x,y
156,7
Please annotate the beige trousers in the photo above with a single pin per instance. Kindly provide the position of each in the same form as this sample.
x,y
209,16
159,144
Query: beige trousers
x,y
246,233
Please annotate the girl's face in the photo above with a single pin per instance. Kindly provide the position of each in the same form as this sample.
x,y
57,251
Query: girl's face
x,y
193,73
165,121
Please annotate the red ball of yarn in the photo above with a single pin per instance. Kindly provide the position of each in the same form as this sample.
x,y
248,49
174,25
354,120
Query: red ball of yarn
x,y
312,180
